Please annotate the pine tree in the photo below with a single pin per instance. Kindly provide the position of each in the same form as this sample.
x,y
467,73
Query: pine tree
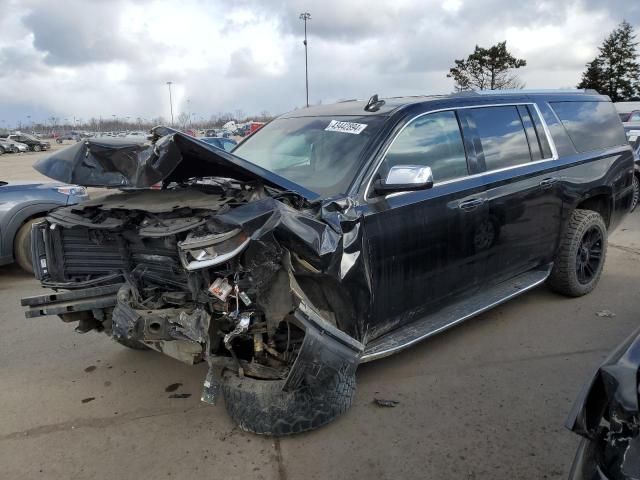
x,y
487,69
593,77
616,71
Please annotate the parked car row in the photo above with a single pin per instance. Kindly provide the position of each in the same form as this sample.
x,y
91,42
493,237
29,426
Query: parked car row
x,y
33,143
11,146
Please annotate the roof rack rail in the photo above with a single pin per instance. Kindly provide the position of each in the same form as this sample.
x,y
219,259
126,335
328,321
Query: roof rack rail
x,y
539,90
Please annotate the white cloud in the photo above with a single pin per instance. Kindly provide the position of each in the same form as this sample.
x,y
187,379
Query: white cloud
x,y
103,58
452,6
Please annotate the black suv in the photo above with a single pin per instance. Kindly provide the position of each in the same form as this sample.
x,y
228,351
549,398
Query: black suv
x,y
34,144
334,235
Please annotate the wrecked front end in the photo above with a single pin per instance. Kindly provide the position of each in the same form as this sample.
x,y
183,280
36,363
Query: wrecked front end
x,y
607,416
211,270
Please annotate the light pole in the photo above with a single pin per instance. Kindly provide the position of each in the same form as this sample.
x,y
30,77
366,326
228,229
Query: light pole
x,y
170,102
115,123
304,17
188,113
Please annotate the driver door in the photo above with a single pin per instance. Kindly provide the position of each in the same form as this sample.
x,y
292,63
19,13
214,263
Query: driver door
x,y
426,247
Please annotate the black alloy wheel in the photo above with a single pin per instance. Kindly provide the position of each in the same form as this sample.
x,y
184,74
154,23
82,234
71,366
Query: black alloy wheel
x,y
589,255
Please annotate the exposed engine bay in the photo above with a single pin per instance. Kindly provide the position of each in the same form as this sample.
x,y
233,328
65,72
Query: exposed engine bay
x,y
189,284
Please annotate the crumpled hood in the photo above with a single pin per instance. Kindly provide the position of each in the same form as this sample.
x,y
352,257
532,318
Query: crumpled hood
x,y
172,157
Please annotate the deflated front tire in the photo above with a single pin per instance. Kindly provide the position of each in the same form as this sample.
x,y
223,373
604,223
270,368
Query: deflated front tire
x,y
263,407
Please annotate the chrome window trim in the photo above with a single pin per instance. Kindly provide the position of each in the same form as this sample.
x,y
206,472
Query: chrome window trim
x,y
552,145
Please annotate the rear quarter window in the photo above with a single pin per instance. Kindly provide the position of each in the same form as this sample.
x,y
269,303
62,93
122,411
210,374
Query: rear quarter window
x,y
591,125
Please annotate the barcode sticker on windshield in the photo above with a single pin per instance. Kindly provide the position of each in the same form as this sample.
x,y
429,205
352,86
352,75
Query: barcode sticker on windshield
x,y
345,127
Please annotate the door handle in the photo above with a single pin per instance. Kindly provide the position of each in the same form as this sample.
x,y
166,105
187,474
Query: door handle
x,y
548,183
471,204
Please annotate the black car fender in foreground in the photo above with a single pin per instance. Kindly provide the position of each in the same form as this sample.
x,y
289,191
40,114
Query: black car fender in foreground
x,y
607,415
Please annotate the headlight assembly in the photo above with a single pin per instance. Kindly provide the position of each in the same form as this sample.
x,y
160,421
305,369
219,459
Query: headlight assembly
x,y
209,250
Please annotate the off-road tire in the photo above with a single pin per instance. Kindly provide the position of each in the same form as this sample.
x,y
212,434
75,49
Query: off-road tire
x,y
132,344
636,192
262,407
564,276
22,245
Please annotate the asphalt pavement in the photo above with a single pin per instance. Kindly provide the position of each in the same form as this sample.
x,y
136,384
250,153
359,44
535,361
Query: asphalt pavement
x,y
485,400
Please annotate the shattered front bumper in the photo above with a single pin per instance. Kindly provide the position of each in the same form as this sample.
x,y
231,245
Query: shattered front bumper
x,y
325,350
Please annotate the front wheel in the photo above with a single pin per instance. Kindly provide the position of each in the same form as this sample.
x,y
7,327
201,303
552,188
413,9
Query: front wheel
x,y
580,261
636,192
263,407
36,148
22,245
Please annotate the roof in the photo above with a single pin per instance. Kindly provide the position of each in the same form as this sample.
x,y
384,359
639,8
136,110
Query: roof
x,y
627,107
357,107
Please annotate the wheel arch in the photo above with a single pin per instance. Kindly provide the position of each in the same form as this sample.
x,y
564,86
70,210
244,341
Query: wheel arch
x,y
18,219
600,201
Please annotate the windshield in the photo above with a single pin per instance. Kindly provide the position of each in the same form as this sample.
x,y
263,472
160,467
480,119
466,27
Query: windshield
x,y
322,154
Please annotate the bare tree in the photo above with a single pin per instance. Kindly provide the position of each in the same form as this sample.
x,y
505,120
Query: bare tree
x,y
183,119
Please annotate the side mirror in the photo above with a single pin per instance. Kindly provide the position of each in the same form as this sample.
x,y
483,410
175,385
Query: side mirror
x,y
405,178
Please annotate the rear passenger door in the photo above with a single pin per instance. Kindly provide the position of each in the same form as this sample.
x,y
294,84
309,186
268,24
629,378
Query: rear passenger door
x,y
521,190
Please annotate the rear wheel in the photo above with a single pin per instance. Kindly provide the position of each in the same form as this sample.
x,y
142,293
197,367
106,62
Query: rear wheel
x,y
578,266
22,245
636,192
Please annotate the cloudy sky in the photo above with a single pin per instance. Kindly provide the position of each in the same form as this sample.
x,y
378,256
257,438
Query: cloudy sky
x,y
91,58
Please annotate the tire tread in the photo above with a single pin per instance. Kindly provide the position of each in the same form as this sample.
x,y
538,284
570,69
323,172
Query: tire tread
x,y
563,277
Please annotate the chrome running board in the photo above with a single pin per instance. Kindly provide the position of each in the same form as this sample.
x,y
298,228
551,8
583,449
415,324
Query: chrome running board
x,y
451,315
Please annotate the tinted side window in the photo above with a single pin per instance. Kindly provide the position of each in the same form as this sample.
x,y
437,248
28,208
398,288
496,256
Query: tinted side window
x,y
502,136
434,141
634,117
590,125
